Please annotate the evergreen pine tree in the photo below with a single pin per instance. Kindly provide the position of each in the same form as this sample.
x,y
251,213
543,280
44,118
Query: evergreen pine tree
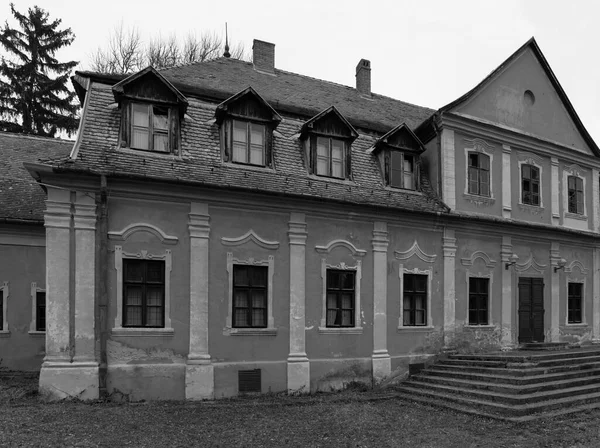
x,y
31,101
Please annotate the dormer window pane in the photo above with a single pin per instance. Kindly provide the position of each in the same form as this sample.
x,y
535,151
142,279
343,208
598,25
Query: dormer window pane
x,y
408,171
141,128
402,172
239,141
330,157
161,128
150,127
337,158
257,144
322,156
248,142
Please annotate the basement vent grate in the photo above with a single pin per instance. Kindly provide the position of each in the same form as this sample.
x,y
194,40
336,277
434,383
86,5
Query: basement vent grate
x,y
249,380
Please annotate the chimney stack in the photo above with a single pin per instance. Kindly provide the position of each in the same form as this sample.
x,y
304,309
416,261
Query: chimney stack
x,y
363,77
263,56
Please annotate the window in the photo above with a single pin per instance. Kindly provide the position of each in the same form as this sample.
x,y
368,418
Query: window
x,y
402,172
575,298
3,300
340,298
330,157
1,310
40,311
150,127
530,185
415,300
575,194
478,301
143,293
250,296
479,174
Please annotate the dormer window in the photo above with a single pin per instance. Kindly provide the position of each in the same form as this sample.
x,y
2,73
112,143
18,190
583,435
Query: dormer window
x,y
247,122
151,108
398,153
329,138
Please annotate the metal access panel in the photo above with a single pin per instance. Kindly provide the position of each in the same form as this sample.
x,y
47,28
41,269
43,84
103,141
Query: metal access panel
x,y
249,380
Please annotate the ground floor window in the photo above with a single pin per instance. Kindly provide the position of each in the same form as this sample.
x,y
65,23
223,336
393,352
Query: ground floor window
x,y
40,311
250,296
340,298
143,293
478,301
415,300
575,303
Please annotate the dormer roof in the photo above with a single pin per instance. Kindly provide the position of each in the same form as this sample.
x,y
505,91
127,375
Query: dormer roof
x,y
400,138
247,102
331,120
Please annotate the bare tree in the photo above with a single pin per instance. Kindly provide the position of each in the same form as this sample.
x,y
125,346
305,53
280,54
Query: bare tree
x,y
127,52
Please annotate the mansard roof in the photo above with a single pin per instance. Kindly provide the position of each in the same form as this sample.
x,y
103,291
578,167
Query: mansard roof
x,y
22,198
247,94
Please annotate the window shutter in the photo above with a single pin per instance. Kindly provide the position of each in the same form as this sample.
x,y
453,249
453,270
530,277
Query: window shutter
x,y
174,122
269,146
225,137
386,169
348,160
125,124
312,163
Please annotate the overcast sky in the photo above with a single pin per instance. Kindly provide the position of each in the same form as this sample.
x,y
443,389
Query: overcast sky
x,y
426,52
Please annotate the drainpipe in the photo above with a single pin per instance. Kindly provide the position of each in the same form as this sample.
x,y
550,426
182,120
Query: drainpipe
x,y
101,279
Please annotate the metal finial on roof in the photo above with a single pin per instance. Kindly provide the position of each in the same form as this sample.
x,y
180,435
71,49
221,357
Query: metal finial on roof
x,y
226,54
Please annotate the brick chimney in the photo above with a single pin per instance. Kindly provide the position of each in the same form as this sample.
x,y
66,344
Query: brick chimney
x,y
263,56
363,77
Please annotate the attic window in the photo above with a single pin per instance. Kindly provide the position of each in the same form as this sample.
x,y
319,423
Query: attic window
x,y
402,170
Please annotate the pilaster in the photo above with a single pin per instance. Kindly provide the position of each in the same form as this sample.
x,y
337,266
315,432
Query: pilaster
x,y
595,200
508,336
506,183
555,191
382,365
298,366
449,248
199,374
448,168
596,296
554,292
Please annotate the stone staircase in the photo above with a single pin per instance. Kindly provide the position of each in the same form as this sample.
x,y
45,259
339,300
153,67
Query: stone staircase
x,y
515,386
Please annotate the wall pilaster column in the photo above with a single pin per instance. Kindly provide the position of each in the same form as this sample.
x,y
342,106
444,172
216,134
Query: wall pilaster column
x,y
449,248
382,364
199,373
508,337
596,296
554,292
555,191
506,183
298,366
448,168
595,200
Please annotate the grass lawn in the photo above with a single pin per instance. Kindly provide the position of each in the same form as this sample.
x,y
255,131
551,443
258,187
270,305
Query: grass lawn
x,y
345,419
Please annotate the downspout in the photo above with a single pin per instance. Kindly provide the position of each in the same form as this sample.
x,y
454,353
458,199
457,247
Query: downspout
x,y
101,279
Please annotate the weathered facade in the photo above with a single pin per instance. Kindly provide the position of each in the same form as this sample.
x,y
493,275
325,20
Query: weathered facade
x,y
230,227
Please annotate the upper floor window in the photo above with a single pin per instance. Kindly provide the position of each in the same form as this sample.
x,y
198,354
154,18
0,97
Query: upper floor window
x,y
150,127
479,174
248,142
330,157
402,170
575,194
530,185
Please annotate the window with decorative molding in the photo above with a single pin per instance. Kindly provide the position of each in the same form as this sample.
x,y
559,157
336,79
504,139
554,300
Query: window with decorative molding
x,y
414,309
143,293
530,185
478,174
250,291
4,293
341,286
575,303
479,299
575,195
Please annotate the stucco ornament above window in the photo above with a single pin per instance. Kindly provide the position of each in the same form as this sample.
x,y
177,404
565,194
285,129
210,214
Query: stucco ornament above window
x,y
468,261
250,236
415,250
530,263
341,243
122,235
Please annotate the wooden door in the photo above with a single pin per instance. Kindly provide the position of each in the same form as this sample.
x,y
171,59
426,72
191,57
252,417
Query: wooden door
x,y
531,309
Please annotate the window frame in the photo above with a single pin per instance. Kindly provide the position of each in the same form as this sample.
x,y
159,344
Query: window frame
x,y
429,273
173,126
581,320
527,159
581,181
250,302
145,284
270,329
538,182
412,295
479,169
314,151
478,295
390,169
118,328
34,325
339,308
230,124
4,296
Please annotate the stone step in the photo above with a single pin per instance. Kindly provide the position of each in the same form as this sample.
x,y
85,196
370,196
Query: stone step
x,y
505,398
543,384
517,372
484,407
516,380
517,356
544,346
522,364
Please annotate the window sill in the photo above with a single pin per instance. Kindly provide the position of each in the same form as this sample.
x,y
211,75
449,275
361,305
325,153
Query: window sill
x,y
4,333
580,325
150,153
403,190
532,209
479,201
38,334
335,180
142,332
479,327
341,330
576,216
247,166
250,331
415,328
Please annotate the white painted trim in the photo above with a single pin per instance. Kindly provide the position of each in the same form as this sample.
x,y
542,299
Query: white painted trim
x,y
328,248
33,297
415,250
468,261
526,158
576,264
506,182
555,189
595,200
448,161
428,272
270,330
478,145
118,329
5,295
250,235
357,329
576,171
142,227
575,279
